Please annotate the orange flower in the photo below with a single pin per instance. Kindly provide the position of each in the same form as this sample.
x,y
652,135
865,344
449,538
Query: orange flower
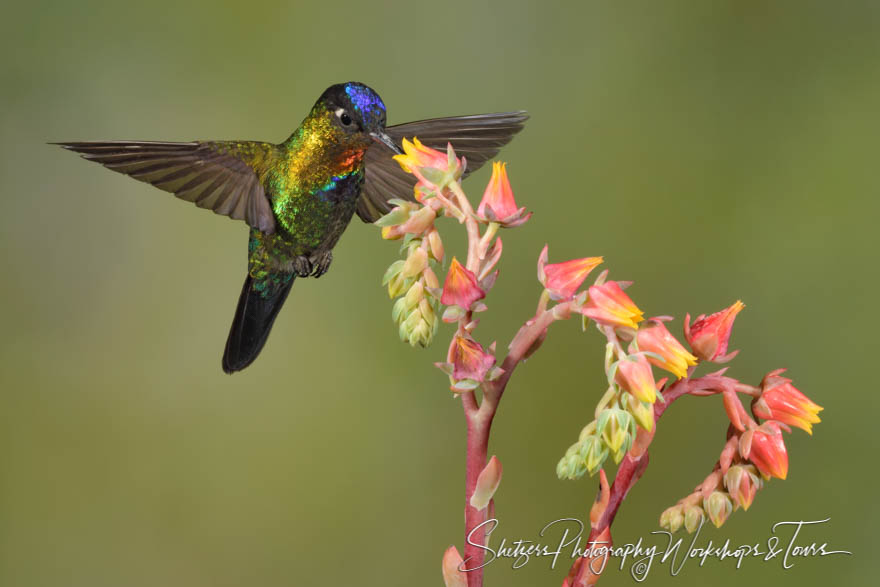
x,y
461,288
657,339
767,450
498,204
416,155
607,304
708,336
563,279
433,168
783,402
635,376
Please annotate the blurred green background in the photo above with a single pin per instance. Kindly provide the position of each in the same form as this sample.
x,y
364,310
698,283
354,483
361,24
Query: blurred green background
x,y
711,151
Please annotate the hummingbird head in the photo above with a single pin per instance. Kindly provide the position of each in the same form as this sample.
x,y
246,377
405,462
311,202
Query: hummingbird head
x,y
357,113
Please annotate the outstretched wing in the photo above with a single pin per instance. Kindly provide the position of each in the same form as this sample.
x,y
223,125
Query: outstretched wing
x,y
478,138
219,176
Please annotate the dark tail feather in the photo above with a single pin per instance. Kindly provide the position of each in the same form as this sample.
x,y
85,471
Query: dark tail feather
x,y
253,320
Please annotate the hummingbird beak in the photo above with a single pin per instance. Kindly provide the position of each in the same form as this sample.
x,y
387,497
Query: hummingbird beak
x,y
381,137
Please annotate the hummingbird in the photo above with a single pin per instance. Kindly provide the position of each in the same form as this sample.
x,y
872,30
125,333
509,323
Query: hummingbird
x,y
299,196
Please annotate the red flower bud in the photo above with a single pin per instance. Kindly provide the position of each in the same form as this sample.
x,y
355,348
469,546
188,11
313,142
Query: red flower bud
x,y
767,451
498,204
460,288
469,360
708,336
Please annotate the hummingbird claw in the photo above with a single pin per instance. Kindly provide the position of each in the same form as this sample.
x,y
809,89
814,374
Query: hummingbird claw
x,y
302,266
321,263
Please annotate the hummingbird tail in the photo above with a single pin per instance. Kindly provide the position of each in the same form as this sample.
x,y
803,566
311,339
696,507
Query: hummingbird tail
x,y
257,309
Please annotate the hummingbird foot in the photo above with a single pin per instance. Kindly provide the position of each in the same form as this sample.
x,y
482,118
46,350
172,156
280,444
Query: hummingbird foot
x,y
321,263
302,266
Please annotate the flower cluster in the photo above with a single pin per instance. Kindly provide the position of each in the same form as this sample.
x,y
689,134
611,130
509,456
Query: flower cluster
x,y
636,395
633,346
438,193
412,280
755,450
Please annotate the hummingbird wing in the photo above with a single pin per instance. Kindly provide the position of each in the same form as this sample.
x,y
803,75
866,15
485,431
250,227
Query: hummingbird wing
x,y
219,176
478,138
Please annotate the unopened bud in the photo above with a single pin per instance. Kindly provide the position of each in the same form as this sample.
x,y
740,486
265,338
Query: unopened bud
x,y
672,518
719,506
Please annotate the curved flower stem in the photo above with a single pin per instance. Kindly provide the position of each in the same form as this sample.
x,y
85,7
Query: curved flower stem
x,y
634,464
522,342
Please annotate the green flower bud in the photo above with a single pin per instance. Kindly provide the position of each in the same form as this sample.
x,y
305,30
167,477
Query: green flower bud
x,y
616,431
672,518
719,506
693,517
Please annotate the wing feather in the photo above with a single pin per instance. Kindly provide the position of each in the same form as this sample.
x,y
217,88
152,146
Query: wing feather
x,y
219,176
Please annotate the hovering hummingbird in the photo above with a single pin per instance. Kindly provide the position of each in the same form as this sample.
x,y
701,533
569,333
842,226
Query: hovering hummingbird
x,y
299,196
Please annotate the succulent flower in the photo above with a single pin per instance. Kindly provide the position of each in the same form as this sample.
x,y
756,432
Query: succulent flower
x,y
718,506
416,316
672,518
783,402
470,360
642,412
693,517
657,340
607,304
434,169
765,448
742,484
635,376
498,204
562,280
709,335
461,287
419,221
593,453
617,429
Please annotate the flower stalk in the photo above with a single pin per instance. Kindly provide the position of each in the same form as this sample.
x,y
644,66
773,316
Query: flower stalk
x,y
625,418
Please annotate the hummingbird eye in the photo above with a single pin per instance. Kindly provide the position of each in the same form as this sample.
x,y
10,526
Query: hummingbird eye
x,y
343,116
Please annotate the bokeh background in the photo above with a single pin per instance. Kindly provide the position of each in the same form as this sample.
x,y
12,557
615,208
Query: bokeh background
x,y
711,151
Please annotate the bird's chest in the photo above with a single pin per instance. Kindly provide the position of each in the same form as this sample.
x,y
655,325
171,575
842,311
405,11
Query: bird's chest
x,y
313,212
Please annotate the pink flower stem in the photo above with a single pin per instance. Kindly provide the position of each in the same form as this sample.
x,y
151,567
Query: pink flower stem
x,y
478,417
473,229
477,451
519,347
479,421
